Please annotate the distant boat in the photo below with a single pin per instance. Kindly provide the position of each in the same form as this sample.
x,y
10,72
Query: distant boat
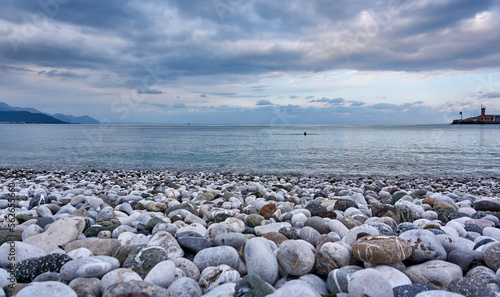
x,y
481,119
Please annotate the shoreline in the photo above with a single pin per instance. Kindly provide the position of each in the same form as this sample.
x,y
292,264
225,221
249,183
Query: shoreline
x,y
217,234
326,176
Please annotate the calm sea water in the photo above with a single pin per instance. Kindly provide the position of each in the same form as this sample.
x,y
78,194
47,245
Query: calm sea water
x,y
415,150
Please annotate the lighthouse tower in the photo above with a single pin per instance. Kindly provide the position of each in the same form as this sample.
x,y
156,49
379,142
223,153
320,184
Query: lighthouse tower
x,y
483,110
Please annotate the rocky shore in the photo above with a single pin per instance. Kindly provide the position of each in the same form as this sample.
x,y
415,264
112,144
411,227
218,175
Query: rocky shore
x,y
144,233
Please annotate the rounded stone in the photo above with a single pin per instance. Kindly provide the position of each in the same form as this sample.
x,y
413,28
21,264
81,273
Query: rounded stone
x,y
353,234
469,287
23,251
42,222
318,224
95,266
190,270
260,259
295,288
117,276
310,235
212,277
434,273
86,286
492,256
290,232
362,284
50,288
330,256
275,237
193,241
410,290
142,260
343,204
216,256
394,276
295,257
167,241
186,287
425,246
28,269
486,205
162,274
252,286
381,249
235,240
137,288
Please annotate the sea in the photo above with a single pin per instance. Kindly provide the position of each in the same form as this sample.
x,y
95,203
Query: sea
x,y
325,150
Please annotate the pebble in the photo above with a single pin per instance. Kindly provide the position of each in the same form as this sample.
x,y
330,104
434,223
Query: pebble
x,y
136,288
156,225
50,288
86,286
59,233
425,246
186,287
117,276
95,266
273,227
331,255
21,252
362,284
295,288
431,273
216,256
260,259
162,274
253,285
97,246
381,249
28,269
338,279
295,257
212,277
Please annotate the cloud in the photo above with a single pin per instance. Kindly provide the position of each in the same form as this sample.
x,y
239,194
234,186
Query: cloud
x,y
294,97
150,91
489,95
179,105
334,101
264,102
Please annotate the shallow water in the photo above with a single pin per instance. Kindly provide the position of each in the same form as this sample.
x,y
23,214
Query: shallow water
x,y
354,150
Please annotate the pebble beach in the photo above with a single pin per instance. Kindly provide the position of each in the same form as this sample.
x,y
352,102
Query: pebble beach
x,y
155,233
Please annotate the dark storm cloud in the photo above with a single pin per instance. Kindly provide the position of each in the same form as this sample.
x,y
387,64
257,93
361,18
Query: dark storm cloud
x,y
226,37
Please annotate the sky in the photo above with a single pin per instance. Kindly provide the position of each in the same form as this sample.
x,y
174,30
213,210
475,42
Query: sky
x,y
252,61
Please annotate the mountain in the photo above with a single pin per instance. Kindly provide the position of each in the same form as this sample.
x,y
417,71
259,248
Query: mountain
x,y
6,107
58,117
75,120
27,117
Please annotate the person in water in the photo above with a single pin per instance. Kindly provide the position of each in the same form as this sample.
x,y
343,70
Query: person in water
x,y
305,133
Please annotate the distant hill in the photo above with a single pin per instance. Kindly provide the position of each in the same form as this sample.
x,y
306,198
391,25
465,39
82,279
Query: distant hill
x,y
75,120
28,118
6,107
58,117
